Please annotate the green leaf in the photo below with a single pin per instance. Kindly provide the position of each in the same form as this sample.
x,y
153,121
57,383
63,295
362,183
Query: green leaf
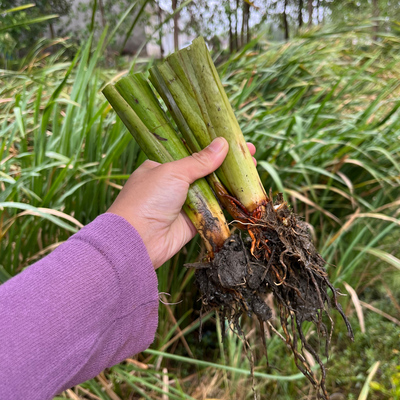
x,y
35,211
274,175
382,255
4,275
28,22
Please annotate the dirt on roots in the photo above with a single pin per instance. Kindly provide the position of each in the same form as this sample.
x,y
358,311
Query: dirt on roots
x,y
278,256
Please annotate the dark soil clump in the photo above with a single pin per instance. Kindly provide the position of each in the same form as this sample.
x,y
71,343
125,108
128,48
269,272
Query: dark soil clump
x,y
278,257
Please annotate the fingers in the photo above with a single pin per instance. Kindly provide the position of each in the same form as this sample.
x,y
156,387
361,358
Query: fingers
x,y
202,163
252,148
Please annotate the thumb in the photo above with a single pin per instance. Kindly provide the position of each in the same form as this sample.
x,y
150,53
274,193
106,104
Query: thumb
x,y
200,164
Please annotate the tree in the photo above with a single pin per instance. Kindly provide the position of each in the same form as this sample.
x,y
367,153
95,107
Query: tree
x,y
207,18
353,10
176,27
245,34
20,38
229,12
285,20
310,12
160,31
237,44
60,7
300,17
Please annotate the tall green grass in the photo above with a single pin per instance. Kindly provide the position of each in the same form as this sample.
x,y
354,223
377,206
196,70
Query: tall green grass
x,y
323,113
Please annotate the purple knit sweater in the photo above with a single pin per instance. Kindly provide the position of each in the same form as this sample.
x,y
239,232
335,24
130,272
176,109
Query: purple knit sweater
x,y
88,305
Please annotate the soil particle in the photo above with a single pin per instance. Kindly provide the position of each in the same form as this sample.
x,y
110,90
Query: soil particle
x,y
261,309
255,275
231,264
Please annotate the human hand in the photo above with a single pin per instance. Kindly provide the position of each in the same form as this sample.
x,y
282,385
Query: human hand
x,y
152,199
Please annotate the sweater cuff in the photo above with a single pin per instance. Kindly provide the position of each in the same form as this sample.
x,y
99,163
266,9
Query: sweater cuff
x,y
119,242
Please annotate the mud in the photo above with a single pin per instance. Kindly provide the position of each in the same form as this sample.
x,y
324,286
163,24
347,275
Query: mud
x,y
279,257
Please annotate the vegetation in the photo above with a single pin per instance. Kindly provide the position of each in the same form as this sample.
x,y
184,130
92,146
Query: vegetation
x,y
322,110
276,255
234,20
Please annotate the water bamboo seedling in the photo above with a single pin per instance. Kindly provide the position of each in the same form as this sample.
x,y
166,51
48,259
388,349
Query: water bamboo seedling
x,y
274,253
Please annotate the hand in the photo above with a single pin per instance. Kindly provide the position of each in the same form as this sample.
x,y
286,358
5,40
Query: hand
x,y
152,199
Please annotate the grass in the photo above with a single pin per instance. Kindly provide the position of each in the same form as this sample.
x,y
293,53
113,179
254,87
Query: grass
x,y
323,113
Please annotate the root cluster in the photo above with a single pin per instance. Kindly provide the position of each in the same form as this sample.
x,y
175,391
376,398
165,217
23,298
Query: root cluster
x,y
278,256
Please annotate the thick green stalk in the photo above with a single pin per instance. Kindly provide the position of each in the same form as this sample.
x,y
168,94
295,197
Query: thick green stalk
x,y
186,104
177,65
140,111
191,140
138,94
160,85
219,120
147,142
238,166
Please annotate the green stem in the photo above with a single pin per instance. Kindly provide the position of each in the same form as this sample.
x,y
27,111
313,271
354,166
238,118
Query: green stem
x,y
160,85
137,106
147,141
217,117
197,124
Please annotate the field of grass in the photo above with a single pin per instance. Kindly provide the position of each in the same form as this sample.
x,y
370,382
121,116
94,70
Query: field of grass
x,y
323,111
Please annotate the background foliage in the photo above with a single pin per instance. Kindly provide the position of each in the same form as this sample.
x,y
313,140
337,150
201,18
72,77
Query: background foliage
x,y
323,111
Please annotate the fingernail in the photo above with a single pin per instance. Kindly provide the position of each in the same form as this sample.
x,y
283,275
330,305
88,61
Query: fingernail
x,y
217,145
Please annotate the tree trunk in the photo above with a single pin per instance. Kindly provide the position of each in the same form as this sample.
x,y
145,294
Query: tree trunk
x,y
245,34
310,12
103,18
237,26
248,22
300,13
285,21
160,35
375,14
243,24
230,28
176,28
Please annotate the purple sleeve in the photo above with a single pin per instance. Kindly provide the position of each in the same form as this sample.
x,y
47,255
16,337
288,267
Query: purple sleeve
x,y
88,305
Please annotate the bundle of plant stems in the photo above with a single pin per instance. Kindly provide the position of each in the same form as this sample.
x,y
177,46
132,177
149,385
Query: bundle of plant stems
x,y
274,252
